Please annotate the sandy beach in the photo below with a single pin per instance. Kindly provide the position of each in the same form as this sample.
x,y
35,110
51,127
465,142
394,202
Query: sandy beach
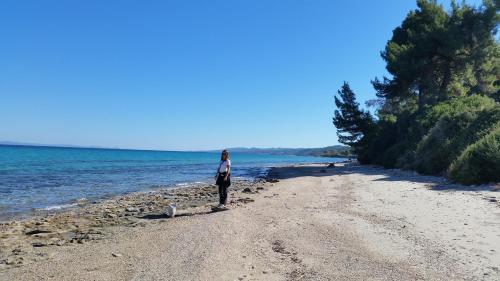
x,y
313,223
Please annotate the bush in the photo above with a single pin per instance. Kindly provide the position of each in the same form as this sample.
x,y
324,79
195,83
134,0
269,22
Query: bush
x,y
452,108
405,161
453,132
480,162
373,146
391,155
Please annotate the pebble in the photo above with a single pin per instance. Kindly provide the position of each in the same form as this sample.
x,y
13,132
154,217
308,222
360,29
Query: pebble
x,y
85,223
38,244
116,255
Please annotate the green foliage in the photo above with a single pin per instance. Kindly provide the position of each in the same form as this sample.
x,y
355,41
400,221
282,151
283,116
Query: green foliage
x,y
441,99
479,162
450,136
435,55
452,108
461,122
352,123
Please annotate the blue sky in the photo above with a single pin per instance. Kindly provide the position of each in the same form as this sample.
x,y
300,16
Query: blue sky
x,y
186,75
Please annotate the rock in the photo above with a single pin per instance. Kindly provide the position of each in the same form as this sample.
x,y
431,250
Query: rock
x,y
112,215
331,165
132,209
272,180
260,188
16,251
43,235
247,190
265,271
38,244
245,200
116,255
37,231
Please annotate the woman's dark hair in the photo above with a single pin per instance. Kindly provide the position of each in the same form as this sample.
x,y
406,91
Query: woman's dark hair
x,y
222,154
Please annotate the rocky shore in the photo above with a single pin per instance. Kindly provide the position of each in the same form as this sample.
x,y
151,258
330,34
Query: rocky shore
x,y
371,223
21,241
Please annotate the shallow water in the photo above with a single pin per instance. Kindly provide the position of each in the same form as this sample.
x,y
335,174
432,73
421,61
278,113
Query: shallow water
x,y
33,178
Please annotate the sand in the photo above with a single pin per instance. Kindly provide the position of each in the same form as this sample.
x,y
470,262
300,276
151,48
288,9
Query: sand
x,y
317,223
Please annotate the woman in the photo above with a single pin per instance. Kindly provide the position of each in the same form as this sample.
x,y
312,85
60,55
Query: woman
x,y
223,178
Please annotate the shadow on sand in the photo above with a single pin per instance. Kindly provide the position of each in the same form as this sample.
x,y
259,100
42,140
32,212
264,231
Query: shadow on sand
x,y
178,215
433,182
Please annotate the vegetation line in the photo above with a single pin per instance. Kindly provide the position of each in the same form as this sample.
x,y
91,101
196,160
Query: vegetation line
x,y
438,113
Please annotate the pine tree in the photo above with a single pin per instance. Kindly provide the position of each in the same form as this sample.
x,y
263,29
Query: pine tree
x,y
352,123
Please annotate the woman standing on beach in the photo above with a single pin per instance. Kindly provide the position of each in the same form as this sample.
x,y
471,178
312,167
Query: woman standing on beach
x,y
223,178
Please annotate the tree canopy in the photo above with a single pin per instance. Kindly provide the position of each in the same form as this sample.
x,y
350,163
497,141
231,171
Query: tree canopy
x,y
444,68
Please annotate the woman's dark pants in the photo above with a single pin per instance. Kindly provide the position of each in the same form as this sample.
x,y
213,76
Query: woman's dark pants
x,y
223,187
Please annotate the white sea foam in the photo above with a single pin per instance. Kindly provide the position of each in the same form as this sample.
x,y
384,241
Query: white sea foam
x,y
59,207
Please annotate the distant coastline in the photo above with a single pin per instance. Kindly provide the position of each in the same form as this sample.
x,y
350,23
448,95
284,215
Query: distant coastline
x,y
340,151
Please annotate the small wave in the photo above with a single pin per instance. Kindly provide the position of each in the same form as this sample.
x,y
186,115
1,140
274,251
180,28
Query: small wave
x,y
59,207
182,184
241,178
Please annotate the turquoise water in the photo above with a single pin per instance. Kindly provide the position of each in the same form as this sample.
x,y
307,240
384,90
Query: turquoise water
x,y
48,178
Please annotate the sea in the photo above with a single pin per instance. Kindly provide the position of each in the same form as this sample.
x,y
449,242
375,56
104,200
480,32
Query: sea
x,y
38,178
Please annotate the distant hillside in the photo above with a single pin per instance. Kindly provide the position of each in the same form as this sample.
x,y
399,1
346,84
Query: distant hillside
x,y
16,143
329,151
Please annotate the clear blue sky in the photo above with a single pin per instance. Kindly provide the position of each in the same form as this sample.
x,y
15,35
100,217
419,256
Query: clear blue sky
x,y
186,75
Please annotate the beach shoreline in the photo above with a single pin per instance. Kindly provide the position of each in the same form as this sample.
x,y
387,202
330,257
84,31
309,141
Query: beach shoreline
x,y
89,221
372,223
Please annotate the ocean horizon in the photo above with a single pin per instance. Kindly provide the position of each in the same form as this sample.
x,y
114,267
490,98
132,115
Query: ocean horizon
x,y
37,178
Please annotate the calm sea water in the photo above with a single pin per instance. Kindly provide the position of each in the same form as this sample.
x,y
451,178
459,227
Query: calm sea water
x,y
49,178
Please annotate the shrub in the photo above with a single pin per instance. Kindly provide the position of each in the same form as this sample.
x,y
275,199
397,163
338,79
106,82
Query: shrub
x,y
479,162
391,155
452,108
405,161
453,132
